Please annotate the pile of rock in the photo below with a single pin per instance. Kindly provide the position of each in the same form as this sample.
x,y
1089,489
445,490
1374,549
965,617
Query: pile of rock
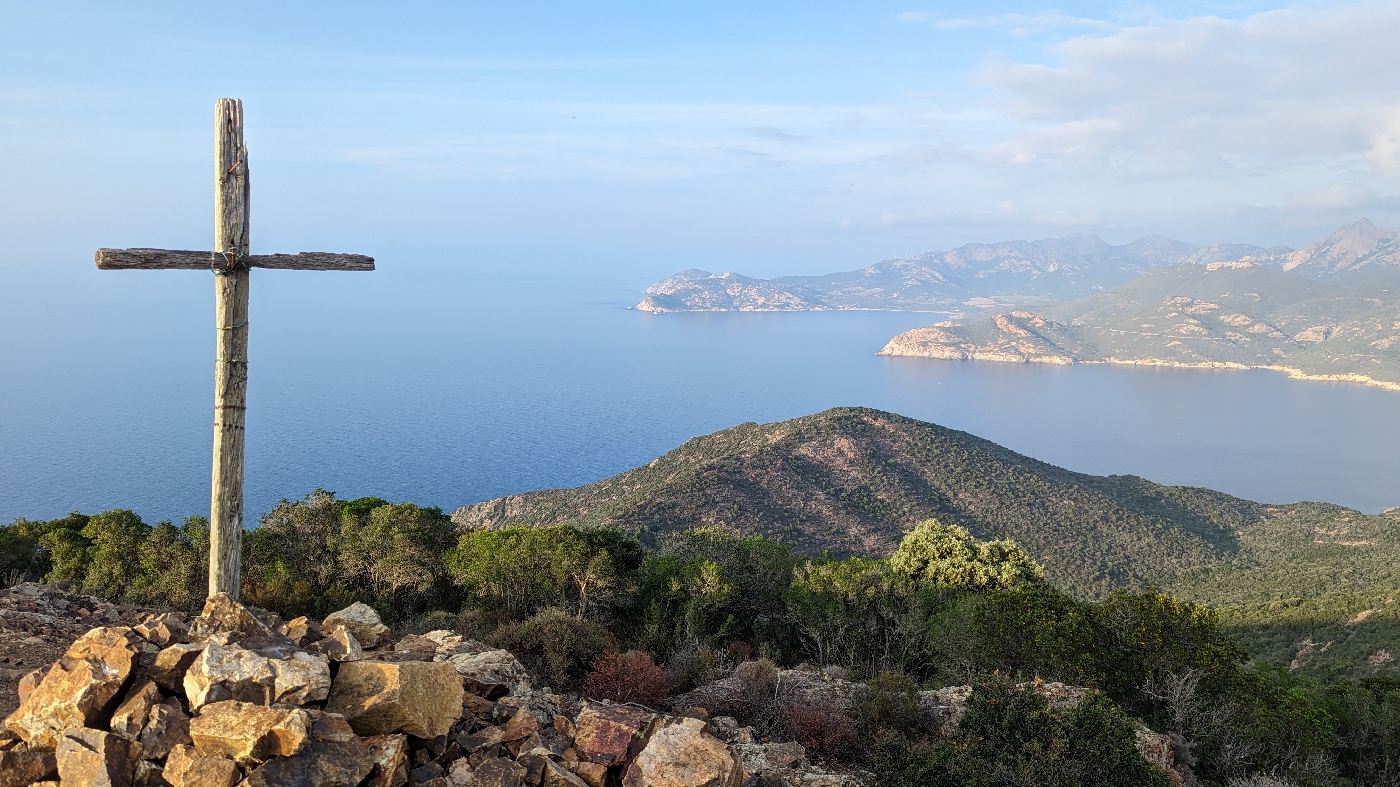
x,y
234,698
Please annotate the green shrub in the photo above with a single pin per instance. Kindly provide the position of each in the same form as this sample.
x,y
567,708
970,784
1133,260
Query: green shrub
x,y
555,644
948,556
890,703
1011,735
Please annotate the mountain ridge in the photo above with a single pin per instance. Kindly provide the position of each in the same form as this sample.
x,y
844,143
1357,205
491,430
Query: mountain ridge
x,y
980,276
1224,315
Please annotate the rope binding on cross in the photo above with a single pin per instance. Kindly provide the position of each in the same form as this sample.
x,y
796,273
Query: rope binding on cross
x,y
235,259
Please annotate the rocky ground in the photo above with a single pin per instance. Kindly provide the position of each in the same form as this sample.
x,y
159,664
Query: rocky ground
x,y
96,695
38,623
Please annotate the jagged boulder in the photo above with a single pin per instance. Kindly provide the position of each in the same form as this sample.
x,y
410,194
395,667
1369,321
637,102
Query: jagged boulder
x,y
130,716
390,755
93,758
604,732
20,768
80,688
333,756
302,631
416,697
165,629
492,673
802,686
232,672
682,754
167,726
361,620
186,767
340,645
170,665
222,615
249,733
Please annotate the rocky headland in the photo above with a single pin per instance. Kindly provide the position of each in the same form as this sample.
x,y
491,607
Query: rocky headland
x,y
1224,315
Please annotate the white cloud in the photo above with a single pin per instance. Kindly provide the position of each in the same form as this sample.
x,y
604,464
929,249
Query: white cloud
x,y
1171,97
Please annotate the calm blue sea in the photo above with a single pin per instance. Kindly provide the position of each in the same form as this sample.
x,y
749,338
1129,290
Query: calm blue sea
x,y
448,392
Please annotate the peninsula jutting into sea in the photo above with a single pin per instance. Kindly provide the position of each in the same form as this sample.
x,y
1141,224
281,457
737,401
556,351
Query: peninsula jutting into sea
x,y
1328,311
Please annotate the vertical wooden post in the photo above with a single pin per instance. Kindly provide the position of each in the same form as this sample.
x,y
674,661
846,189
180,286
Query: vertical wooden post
x,y
231,348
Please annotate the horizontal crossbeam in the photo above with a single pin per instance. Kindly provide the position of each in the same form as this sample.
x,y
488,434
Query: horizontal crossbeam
x,y
167,259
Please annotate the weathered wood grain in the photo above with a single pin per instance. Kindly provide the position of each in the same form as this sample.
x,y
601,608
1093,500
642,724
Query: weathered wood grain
x,y
173,259
153,259
231,348
313,261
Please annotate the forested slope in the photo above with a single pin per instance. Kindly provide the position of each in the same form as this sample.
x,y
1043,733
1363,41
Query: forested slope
x,y
852,480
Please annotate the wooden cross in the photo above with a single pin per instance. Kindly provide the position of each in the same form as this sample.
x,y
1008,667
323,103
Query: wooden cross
x,y
230,262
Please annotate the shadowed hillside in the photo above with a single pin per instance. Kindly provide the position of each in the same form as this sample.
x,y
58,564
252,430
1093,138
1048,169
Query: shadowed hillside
x,y
852,480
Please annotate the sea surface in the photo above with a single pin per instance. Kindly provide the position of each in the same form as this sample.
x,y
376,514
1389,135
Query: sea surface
x,y
447,392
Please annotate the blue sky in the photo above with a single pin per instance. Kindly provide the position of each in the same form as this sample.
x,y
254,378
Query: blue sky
x,y
631,140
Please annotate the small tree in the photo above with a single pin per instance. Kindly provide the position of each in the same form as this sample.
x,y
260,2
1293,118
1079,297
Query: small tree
x,y
948,556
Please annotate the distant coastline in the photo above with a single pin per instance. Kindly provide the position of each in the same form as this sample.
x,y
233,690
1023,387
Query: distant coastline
x,y
894,351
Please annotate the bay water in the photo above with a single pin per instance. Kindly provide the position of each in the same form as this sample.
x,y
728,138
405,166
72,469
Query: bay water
x,y
450,391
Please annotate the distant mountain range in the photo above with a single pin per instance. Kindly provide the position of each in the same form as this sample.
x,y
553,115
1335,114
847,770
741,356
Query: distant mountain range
x,y
1225,314
982,276
852,480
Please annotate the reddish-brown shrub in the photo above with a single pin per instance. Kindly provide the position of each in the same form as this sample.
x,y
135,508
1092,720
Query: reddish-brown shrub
x,y
822,731
626,677
739,652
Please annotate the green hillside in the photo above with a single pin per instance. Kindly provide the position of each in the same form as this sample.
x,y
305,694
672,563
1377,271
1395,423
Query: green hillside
x,y
852,480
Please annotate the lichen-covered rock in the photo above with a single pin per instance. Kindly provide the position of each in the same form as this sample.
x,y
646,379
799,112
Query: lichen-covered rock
x,y
801,686
223,615
420,698
171,664
93,758
450,643
941,710
682,754
593,774
130,716
415,648
31,681
1155,747
248,733
223,672
164,629
302,631
361,620
317,765
556,775
301,678
491,674
499,772
21,768
80,688
340,645
167,726
390,755
186,767
757,757
604,732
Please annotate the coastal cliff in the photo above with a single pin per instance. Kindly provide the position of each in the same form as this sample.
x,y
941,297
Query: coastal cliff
x,y
1229,315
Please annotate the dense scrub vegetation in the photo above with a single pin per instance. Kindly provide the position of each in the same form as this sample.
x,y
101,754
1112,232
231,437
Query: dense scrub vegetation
x,y
597,610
